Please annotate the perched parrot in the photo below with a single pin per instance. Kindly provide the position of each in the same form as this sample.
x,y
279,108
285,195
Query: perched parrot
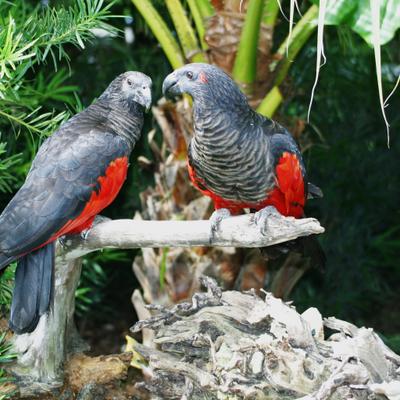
x,y
76,173
239,158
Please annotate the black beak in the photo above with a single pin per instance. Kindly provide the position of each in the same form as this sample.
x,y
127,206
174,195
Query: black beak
x,y
170,86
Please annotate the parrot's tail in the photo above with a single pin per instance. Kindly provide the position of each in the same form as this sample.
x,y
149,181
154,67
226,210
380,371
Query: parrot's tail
x,y
314,251
33,291
308,246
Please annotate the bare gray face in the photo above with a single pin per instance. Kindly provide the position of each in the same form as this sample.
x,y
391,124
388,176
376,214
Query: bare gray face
x,y
187,79
136,86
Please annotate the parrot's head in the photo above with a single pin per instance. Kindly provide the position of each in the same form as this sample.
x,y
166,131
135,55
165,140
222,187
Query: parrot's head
x,y
203,81
131,87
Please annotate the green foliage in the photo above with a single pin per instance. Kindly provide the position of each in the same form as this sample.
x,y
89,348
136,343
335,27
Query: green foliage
x,y
161,32
6,356
185,31
6,287
94,279
358,16
359,177
393,341
6,165
245,67
31,109
31,35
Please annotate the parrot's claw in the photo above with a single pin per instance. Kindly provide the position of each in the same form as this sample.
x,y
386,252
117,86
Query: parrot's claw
x,y
63,241
216,217
85,233
261,218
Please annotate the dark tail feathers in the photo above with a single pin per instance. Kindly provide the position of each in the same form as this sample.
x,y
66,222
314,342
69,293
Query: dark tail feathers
x,y
308,246
311,249
313,191
34,281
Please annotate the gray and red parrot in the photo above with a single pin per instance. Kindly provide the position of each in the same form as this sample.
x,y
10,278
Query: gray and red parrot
x,y
239,158
77,172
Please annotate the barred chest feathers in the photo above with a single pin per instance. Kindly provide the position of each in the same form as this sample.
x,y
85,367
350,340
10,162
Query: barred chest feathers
x,y
234,165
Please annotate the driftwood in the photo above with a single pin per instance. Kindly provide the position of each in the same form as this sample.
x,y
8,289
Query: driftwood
x,y
41,354
232,345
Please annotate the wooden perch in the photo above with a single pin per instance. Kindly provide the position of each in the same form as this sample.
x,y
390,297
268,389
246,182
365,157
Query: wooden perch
x,y
239,231
41,354
232,345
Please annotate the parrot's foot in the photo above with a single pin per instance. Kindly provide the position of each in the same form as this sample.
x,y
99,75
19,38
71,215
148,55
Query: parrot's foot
x,y
216,217
85,233
98,219
63,242
261,218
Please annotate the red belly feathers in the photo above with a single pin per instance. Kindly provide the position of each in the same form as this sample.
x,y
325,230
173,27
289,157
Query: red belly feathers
x,y
288,197
110,184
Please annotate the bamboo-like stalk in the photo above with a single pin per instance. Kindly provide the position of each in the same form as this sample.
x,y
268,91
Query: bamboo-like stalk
x,y
300,34
271,9
201,10
206,8
198,21
244,69
185,32
270,102
161,32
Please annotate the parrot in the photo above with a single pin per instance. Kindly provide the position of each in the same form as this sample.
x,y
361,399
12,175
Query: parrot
x,y
76,173
238,157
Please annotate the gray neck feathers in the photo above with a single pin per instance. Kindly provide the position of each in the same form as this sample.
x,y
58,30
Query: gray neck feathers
x,y
223,121
121,118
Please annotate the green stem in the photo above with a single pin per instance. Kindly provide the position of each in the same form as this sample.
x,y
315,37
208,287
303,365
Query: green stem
x,y
271,10
161,32
185,32
245,67
206,8
198,21
270,102
301,33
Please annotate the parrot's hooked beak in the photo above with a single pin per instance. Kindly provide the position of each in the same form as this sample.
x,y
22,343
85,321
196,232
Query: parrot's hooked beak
x,y
171,87
144,97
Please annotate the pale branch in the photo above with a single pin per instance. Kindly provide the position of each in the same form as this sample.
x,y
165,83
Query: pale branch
x,y
239,231
42,353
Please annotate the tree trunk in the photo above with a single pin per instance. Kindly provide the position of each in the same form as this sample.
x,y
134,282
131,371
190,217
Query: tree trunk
x,y
41,354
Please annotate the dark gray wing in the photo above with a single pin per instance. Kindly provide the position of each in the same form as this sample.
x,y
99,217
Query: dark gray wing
x,y
61,180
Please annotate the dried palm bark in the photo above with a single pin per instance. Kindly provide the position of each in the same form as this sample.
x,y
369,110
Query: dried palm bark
x,y
232,345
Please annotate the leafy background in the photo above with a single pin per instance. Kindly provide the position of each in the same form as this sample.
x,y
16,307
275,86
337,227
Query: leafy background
x,y
346,155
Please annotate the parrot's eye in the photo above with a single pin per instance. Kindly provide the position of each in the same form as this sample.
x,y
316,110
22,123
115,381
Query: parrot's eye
x,y
129,82
189,75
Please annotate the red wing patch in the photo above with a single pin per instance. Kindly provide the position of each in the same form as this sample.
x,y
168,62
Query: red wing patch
x,y
110,185
288,197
